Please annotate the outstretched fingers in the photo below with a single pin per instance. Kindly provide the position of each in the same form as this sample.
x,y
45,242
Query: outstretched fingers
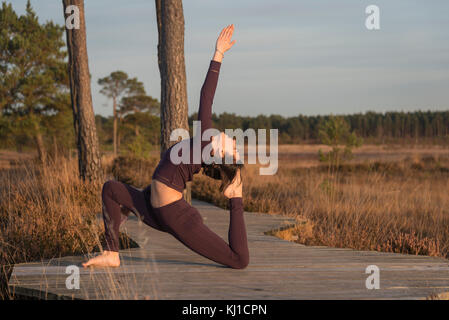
x,y
229,32
224,39
223,32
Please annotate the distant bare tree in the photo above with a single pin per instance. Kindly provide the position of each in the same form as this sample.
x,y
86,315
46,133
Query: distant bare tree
x,y
114,86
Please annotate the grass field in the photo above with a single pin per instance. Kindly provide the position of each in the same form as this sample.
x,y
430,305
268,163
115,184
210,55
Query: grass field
x,y
388,198
47,211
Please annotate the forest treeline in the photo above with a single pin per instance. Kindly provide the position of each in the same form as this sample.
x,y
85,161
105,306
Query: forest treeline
x,y
373,127
140,131
418,127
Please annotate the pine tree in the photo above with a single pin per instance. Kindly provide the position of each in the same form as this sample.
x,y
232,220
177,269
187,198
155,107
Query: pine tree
x,y
33,73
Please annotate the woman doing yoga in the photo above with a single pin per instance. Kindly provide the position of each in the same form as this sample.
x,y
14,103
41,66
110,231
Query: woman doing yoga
x,y
161,206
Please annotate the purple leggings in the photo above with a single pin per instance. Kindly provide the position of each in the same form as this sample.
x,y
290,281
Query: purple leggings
x,y
179,219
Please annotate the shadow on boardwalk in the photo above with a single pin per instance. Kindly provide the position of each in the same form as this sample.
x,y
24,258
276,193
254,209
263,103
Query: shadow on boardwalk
x,y
162,268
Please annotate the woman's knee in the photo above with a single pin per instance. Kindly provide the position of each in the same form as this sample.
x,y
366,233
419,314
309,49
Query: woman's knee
x,y
108,188
242,262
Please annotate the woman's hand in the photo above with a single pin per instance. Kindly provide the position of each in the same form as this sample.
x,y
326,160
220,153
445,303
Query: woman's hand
x,y
224,43
234,190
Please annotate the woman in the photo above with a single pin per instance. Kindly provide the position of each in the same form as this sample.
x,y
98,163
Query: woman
x,y
161,205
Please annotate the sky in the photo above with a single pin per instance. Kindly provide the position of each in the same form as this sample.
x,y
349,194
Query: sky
x,y
291,57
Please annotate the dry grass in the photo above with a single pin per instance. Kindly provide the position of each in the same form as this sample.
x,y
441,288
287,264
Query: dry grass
x,y
393,206
369,204
11,159
47,211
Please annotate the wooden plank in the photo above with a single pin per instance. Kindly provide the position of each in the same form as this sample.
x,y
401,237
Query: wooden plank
x,y
163,268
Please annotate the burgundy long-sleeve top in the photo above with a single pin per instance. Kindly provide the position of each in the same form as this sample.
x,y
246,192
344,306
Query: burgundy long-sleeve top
x,y
176,175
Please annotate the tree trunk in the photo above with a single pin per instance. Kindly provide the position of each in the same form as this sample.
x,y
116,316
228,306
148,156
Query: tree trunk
x,y
119,138
41,151
39,140
89,159
114,137
55,149
174,106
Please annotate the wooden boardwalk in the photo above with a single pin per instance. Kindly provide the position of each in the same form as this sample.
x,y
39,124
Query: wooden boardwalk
x,y
162,268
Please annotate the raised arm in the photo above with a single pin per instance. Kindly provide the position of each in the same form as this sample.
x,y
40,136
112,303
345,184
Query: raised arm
x,y
207,95
222,45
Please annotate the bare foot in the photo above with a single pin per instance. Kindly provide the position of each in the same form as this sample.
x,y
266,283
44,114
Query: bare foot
x,y
106,259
